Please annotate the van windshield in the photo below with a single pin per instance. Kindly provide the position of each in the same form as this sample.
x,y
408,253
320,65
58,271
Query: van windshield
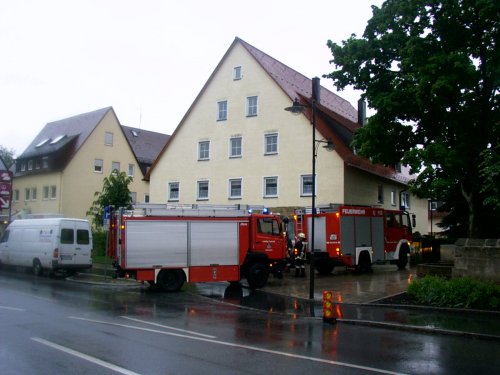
x,y
5,236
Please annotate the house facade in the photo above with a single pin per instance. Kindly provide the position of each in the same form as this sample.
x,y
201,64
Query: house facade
x,y
64,166
237,145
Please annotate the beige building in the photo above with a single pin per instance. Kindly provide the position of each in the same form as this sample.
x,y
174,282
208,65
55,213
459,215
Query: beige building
x,y
66,163
237,145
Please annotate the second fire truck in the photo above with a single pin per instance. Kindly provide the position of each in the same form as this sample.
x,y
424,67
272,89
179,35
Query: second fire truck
x,y
357,236
169,246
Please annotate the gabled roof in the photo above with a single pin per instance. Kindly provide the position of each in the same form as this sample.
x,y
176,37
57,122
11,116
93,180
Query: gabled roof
x,y
336,120
145,144
58,134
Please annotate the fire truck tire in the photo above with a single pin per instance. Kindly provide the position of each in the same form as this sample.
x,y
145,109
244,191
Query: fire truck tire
x,y
364,263
257,275
325,268
403,259
171,280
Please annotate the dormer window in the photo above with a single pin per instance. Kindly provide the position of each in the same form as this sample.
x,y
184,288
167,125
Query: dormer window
x,y
42,142
57,139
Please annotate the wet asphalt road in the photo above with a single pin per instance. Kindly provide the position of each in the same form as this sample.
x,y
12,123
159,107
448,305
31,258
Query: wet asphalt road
x,y
58,327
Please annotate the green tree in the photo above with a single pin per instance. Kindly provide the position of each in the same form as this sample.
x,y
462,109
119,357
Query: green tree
x,y
115,192
431,70
7,156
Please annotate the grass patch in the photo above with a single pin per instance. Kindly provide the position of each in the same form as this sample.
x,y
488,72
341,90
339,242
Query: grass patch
x,y
459,293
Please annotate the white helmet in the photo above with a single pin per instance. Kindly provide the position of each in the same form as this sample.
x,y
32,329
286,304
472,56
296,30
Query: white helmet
x,y
302,236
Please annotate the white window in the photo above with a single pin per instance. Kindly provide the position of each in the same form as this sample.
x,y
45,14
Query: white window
x,y
173,191
235,147
30,165
222,110
33,193
380,194
53,192
23,166
37,164
45,162
108,139
45,193
306,185
204,150
16,195
202,190
146,198
270,187
98,163
237,73
133,195
27,194
405,200
393,197
131,170
235,188
271,144
115,166
252,106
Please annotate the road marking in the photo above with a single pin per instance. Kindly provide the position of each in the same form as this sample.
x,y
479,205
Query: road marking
x,y
169,327
247,347
11,308
86,357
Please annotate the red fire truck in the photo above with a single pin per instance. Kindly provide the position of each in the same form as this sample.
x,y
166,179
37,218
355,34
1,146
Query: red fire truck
x,y
357,236
168,246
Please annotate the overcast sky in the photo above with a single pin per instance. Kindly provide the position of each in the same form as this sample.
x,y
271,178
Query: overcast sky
x,y
148,59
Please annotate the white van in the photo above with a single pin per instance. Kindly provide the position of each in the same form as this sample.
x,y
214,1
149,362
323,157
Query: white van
x,y
47,244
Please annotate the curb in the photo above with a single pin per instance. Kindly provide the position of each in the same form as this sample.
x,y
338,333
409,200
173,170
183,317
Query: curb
x,y
414,328
95,279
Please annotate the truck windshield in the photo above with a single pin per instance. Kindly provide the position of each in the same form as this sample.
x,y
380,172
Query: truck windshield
x,y
268,226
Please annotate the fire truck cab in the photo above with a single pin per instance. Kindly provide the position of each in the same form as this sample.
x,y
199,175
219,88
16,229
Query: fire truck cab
x,y
357,236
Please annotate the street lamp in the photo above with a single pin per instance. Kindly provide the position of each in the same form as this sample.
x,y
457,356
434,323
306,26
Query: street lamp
x,y
297,109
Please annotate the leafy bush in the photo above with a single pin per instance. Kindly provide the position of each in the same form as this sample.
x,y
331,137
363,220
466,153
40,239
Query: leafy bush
x,y
463,293
99,238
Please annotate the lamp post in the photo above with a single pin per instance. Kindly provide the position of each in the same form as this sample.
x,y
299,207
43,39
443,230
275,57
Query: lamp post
x,y
296,109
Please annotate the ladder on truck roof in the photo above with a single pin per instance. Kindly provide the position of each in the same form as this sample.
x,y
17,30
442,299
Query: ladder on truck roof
x,y
183,210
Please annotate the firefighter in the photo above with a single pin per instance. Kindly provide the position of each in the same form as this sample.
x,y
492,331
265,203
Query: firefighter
x,y
299,252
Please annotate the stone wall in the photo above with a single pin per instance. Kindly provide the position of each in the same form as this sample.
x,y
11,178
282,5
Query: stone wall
x,y
477,258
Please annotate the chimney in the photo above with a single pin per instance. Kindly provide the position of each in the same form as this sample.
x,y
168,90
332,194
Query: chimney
x,y
361,112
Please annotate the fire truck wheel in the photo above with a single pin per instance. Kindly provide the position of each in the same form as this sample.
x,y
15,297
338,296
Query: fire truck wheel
x,y
364,263
257,275
325,268
403,259
171,280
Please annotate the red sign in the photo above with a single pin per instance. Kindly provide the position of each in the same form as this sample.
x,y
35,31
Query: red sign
x,y
4,202
5,176
5,188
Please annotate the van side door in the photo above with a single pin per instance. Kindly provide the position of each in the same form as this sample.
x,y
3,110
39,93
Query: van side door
x,y
83,248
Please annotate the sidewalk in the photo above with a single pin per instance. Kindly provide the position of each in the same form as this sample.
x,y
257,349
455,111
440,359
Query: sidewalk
x,y
356,298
